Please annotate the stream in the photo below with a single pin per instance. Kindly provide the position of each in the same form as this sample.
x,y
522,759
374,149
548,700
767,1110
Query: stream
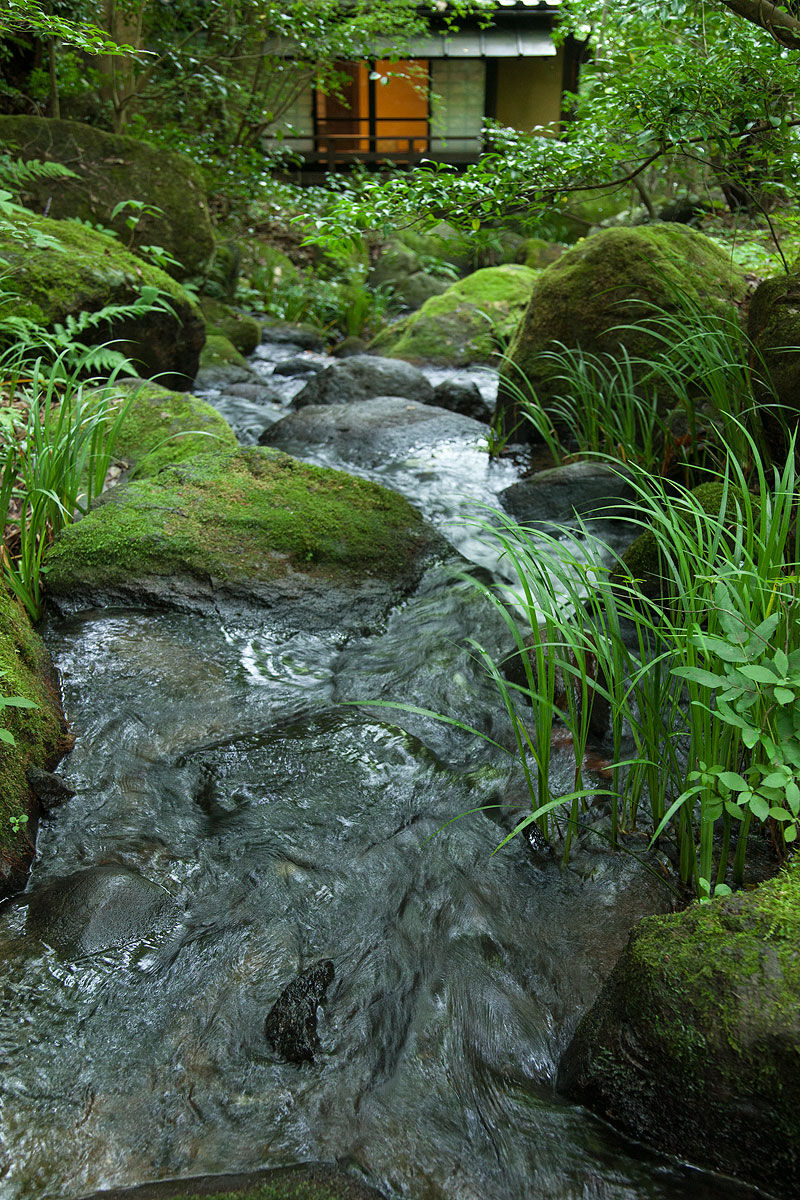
x,y
287,825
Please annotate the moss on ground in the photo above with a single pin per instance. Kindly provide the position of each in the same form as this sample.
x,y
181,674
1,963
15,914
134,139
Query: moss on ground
x,y
466,323
306,1182
110,168
240,518
694,1042
163,427
243,332
40,733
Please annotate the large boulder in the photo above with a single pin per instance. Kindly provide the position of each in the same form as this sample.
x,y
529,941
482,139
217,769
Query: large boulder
x,y
608,281
110,168
774,327
40,737
60,269
467,323
693,1045
246,531
363,377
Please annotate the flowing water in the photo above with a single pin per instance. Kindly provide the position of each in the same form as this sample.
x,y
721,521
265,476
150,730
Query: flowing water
x,y
224,763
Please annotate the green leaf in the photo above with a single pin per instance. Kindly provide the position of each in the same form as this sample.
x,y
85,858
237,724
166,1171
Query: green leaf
x,y
758,673
759,808
16,702
699,675
7,737
790,833
781,662
733,781
776,779
784,695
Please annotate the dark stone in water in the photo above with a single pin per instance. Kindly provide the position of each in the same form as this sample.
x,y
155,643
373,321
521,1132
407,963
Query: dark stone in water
x,y
297,366
462,397
307,1181
98,909
291,1026
49,789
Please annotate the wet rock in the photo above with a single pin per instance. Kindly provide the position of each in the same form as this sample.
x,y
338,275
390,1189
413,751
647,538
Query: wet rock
x,y
241,330
693,1045
50,790
465,398
221,364
363,377
246,532
254,391
98,909
291,1025
556,495
414,290
162,427
307,1181
372,432
349,348
297,366
302,336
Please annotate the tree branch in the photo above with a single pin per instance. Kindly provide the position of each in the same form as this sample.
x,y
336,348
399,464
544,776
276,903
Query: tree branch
x,y
776,20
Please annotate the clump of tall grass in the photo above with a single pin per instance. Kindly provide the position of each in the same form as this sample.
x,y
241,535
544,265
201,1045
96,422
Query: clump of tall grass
x,y
696,677
691,394
57,431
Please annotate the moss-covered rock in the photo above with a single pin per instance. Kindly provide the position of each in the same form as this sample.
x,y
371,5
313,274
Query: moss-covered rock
x,y
221,362
774,326
251,529
538,253
111,168
466,323
162,427
694,1043
60,269
609,280
642,560
243,332
306,1182
40,735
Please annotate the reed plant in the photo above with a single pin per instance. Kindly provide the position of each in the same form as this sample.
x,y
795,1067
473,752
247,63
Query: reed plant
x,y
694,670
56,445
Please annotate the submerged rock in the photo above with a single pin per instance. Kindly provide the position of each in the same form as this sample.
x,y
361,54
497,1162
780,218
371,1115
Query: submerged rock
x,y
98,909
466,324
307,1181
50,790
291,1024
609,280
363,377
693,1045
372,432
246,531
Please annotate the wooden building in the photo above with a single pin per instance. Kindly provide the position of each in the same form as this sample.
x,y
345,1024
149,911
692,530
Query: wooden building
x,y
433,104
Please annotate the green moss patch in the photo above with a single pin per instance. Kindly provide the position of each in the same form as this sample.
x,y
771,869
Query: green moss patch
x,y
162,427
243,332
239,523
61,268
694,1043
40,733
467,323
306,1182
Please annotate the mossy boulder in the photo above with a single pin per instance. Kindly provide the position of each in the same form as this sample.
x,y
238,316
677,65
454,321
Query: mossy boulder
x,y
538,253
466,324
693,1045
221,363
162,427
243,332
310,1181
774,326
110,168
607,281
40,736
60,269
248,530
